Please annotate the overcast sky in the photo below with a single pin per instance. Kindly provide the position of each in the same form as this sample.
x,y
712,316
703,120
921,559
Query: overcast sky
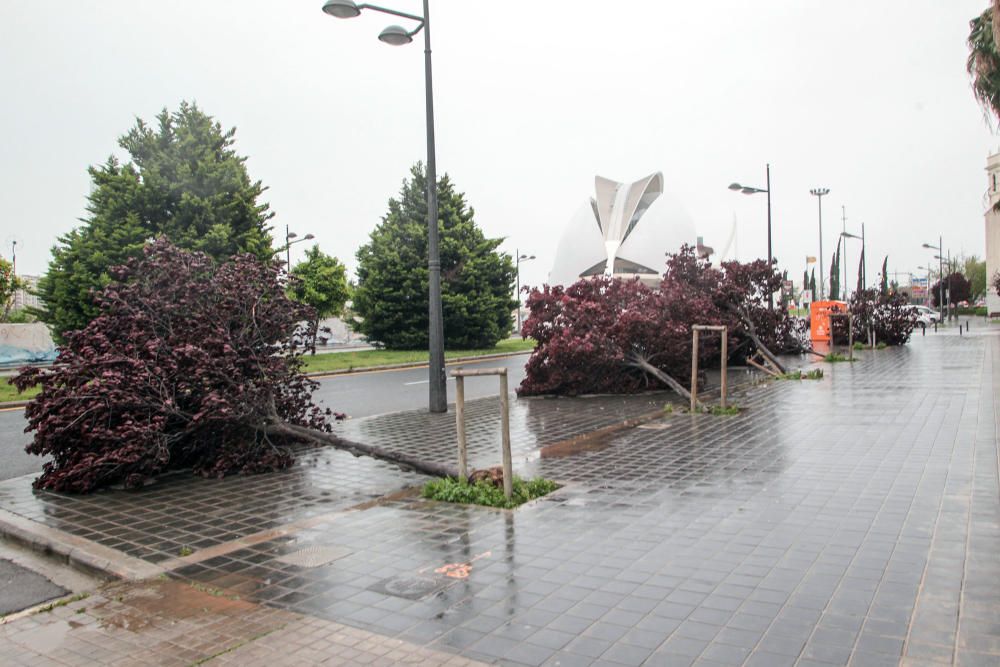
x,y
533,99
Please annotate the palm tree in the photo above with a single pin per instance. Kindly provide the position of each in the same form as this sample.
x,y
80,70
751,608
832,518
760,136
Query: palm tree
x,y
983,63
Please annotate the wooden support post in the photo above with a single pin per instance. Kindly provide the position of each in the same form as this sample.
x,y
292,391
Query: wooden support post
x,y
850,338
463,455
725,365
694,370
508,468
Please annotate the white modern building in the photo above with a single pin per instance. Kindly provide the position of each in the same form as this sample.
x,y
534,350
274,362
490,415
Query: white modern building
x,y
992,232
625,230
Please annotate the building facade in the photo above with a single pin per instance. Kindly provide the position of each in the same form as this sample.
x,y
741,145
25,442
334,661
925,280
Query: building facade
x,y
992,232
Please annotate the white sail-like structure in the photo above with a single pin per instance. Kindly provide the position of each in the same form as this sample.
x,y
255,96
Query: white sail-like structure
x,y
624,231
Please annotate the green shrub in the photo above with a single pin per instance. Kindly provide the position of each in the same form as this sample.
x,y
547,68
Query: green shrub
x,y
451,490
728,410
835,357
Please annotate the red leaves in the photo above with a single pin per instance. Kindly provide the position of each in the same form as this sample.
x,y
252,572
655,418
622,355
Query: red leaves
x,y
586,331
185,362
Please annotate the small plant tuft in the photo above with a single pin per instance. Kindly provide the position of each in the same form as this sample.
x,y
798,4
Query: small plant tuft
x,y
722,411
881,346
668,409
451,490
859,346
185,551
814,374
835,357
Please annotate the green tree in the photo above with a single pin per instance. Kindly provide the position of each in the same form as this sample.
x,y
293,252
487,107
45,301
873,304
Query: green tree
x,y
321,282
975,270
812,286
835,275
476,281
183,180
983,63
884,287
9,284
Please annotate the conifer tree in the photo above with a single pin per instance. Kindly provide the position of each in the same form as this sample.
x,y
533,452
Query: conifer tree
x,y
477,282
182,180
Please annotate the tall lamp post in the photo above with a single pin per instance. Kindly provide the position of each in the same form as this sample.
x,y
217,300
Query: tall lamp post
x,y
747,190
520,258
819,194
289,235
940,272
397,36
864,258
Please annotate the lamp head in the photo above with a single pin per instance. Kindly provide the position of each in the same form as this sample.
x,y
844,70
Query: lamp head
x,y
308,237
342,9
395,35
819,192
735,186
291,235
747,190
930,247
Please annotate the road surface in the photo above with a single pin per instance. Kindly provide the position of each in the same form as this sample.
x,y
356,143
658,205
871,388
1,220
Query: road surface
x,y
357,394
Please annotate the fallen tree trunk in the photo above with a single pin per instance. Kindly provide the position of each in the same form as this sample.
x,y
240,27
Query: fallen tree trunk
x,y
750,331
281,427
639,362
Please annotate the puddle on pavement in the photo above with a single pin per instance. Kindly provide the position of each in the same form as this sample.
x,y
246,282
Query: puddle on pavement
x,y
580,445
168,599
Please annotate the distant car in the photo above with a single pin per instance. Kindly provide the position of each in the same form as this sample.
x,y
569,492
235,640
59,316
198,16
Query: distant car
x,y
923,312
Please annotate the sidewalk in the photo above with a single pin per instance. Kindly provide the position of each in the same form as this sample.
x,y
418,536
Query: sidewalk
x,y
851,520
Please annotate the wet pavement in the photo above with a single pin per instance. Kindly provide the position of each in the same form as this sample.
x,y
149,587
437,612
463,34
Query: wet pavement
x,y
850,520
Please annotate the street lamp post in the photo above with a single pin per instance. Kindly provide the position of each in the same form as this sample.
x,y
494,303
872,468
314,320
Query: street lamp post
x,y
289,235
397,36
820,193
940,272
520,258
747,190
864,273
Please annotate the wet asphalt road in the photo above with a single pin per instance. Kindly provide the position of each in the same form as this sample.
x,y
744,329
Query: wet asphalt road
x,y
357,395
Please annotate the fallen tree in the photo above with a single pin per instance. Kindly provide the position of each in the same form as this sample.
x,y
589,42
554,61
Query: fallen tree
x,y
607,335
190,364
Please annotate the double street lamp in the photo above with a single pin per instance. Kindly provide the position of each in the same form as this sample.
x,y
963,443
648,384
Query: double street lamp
x,y
397,36
289,235
748,190
819,193
520,258
940,260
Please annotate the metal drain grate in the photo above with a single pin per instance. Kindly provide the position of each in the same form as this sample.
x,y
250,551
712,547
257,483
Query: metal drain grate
x,y
411,587
314,556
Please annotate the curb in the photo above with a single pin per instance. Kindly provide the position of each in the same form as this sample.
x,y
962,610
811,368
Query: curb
x,y
409,364
349,371
80,553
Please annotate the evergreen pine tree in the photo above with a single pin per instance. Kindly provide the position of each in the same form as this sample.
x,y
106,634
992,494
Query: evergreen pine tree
x,y
477,282
812,286
184,181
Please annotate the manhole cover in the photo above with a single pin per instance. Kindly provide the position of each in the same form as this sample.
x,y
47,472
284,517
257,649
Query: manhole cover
x,y
314,556
411,587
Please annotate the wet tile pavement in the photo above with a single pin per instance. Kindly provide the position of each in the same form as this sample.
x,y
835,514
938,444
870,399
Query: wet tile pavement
x,y
853,520
181,513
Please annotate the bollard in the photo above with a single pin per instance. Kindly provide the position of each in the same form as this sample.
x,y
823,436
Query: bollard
x,y
959,329
923,330
935,326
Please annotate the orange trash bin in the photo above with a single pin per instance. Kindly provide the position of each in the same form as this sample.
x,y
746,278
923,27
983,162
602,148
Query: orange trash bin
x,y
819,318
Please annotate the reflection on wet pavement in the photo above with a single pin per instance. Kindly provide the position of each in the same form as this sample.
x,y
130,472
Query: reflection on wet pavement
x,y
855,519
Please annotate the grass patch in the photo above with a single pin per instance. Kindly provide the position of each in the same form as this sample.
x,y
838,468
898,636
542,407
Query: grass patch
x,y
835,357
62,603
814,374
336,361
859,346
451,490
881,346
723,411
9,393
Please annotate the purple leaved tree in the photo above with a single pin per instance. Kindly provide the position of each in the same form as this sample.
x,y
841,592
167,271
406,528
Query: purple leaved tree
x,y
190,364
